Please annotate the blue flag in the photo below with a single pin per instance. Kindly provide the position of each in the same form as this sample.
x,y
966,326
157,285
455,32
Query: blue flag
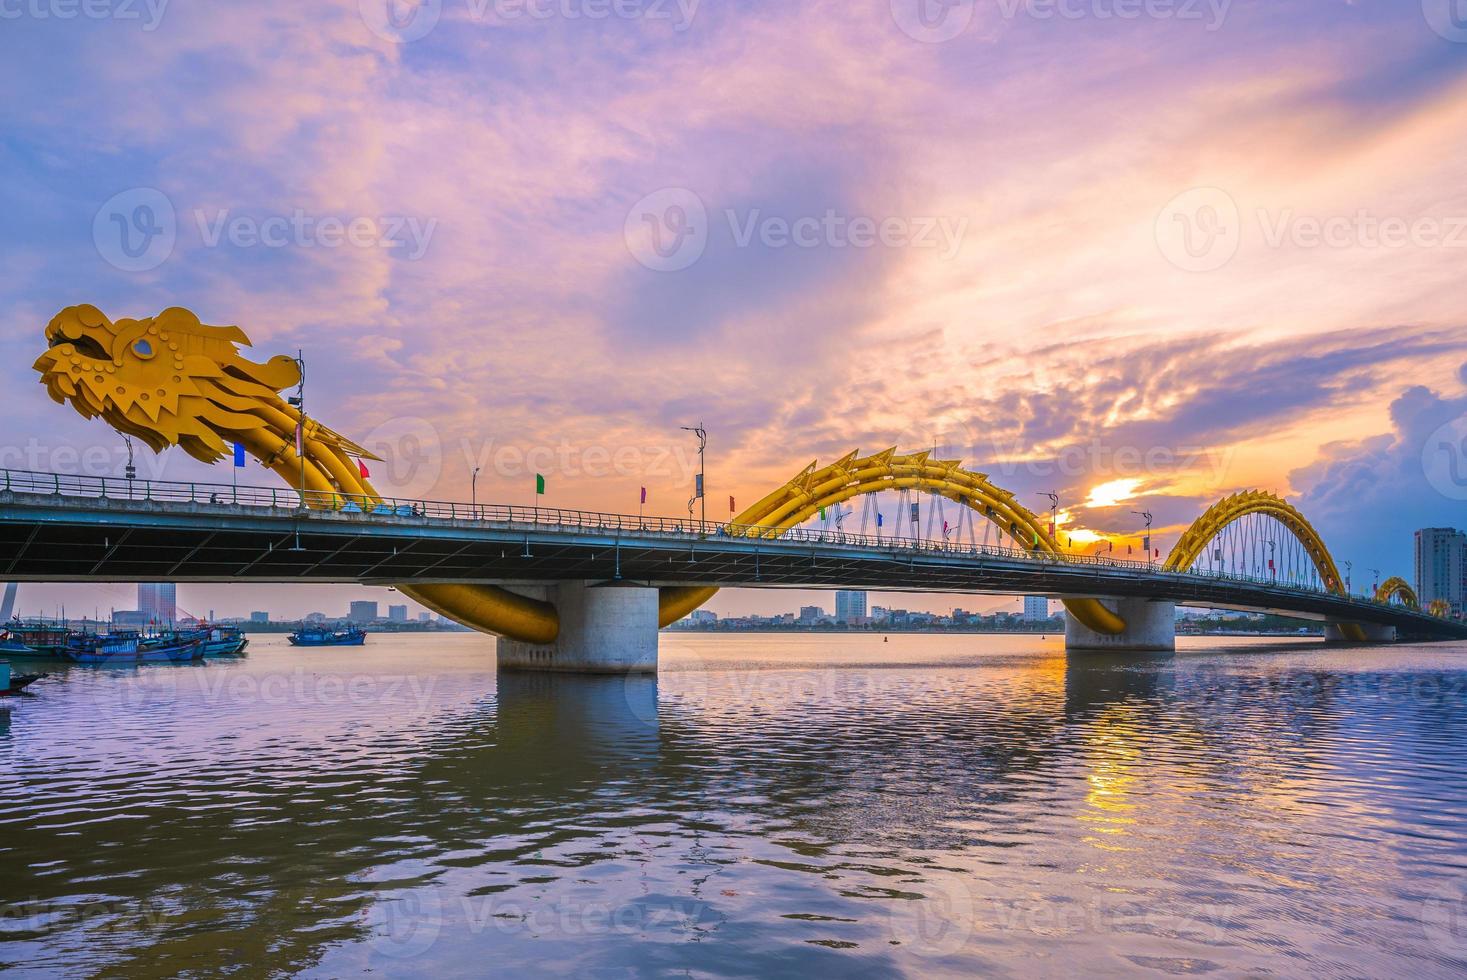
x,y
878,518
239,454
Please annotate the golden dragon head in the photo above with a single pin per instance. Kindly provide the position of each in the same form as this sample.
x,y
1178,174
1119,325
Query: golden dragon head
x,y
170,380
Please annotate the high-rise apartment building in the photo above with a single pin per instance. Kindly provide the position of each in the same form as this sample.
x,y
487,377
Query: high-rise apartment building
x,y
158,602
1441,566
850,607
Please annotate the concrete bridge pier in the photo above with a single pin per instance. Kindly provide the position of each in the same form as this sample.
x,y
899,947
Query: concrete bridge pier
x,y
605,628
1151,627
1335,633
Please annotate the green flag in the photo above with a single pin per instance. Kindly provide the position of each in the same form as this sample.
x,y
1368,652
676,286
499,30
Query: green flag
x,y
822,513
539,485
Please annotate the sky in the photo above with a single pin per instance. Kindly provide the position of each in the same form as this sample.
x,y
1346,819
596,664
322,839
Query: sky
x,y
1138,253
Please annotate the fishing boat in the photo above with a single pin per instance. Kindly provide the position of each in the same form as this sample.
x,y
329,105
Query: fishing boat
x,y
325,636
223,641
39,639
133,648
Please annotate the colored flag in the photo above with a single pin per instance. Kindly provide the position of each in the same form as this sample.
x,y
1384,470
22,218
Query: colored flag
x,y
878,518
822,513
731,504
644,495
539,485
239,457
1130,549
1158,552
1051,529
1146,542
944,528
300,438
698,486
916,519
362,469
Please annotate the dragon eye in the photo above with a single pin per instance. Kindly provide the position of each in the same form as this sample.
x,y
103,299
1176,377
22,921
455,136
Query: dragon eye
x,y
142,349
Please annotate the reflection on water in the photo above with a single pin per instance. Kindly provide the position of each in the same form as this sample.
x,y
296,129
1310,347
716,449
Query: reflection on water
x,y
776,804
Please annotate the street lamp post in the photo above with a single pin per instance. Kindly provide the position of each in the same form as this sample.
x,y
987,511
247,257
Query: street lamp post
x,y
474,491
1053,511
700,491
1146,515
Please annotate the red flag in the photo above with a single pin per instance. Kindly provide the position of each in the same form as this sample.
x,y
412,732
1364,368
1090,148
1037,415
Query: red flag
x,y
644,495
362,469
731,507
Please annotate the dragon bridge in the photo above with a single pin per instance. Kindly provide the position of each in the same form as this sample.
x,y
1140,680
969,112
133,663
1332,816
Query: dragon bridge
x,y
171,380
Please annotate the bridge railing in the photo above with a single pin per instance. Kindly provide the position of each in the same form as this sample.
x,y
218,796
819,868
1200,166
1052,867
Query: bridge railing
x,y
388,509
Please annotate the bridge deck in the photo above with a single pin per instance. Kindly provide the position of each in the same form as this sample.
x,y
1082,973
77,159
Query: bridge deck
x,y
54,534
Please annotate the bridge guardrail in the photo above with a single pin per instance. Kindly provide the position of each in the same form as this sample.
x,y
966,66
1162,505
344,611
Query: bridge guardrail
x,y
514,516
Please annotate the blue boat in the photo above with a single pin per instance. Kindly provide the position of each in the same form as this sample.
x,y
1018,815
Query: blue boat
x,y
132,648
323,636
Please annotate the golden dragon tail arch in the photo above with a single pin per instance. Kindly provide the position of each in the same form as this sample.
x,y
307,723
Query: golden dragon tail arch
x,y
1396,587
1194,542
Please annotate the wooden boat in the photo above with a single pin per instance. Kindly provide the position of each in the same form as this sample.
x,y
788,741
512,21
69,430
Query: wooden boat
x,y
41,639
321,636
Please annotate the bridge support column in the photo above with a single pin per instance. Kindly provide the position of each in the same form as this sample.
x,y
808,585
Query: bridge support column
x,y
604,629
1334,633
1151,627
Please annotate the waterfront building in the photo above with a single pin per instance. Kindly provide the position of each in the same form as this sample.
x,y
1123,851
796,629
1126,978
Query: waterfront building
x,y
850,607
1036,609
1441,567
397,614
362,611
158,601
259,616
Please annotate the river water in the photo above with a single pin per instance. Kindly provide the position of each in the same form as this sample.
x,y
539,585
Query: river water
x,y
770,805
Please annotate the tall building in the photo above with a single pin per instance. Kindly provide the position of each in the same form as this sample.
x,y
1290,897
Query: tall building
x,y
1036,609
1441,566
158,601
259,616
850,607
811,614
362,611
397,614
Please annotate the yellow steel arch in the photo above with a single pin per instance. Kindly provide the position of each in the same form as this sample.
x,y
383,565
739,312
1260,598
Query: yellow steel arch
x,y
1194,542
1396,587
852,475
1439,608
